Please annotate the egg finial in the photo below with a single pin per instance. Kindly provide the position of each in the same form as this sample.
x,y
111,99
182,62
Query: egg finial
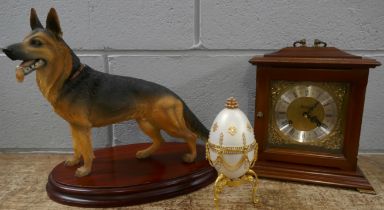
x,y
231,103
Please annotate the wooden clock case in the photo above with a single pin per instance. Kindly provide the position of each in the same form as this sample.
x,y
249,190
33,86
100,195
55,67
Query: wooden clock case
x,y
315,64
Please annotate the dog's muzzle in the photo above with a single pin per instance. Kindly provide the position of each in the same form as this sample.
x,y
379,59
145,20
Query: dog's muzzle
x,y
29,64
9,53
16,52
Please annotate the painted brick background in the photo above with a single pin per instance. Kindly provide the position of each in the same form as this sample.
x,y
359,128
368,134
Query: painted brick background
x,y
199,49
347,24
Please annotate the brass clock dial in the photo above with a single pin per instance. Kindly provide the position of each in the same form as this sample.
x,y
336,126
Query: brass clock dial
x,y
306,113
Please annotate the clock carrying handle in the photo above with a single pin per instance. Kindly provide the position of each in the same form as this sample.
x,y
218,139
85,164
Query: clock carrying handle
x,y
300,43
319,43
303,43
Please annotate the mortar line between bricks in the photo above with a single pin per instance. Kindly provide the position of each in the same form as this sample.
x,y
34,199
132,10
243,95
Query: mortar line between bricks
x,y
114,143
109,127
182,51
37,150
204,52
106,63
197,22
200,52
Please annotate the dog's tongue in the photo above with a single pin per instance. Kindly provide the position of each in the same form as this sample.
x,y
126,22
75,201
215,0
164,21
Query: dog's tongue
x,y
27,63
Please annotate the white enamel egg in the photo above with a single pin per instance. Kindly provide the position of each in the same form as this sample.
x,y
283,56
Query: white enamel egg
x,y
231,147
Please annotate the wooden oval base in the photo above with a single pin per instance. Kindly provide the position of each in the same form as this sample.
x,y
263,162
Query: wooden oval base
x,y
118,178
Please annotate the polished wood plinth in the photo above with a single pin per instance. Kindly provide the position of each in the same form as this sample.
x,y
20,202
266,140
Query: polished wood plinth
x,y
317,175
118,178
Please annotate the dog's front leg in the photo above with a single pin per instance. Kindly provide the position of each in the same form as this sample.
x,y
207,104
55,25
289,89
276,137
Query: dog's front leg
x,y
82,146
75,159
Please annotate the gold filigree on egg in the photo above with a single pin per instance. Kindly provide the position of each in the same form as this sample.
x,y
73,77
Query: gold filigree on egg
x,y
215,127
232,130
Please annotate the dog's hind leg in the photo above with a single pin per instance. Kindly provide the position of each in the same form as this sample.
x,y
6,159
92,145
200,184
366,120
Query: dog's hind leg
x,y
172,121
154,133
82,138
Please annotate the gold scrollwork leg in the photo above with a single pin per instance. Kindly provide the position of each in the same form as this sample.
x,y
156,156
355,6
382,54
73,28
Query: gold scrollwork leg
x,y
220,182
252,177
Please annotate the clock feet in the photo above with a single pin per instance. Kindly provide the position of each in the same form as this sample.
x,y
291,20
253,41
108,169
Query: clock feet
x,y
366,191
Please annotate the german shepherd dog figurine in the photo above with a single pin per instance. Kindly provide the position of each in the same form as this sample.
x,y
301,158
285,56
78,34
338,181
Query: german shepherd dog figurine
x,y
86,98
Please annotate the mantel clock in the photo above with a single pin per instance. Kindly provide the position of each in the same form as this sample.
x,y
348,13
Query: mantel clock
x,y
308,114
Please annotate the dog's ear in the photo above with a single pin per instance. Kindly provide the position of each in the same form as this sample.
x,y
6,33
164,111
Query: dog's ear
x,y
53,23
34,20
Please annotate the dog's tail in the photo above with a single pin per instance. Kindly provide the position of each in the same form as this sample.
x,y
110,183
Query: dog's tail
x,y
194,124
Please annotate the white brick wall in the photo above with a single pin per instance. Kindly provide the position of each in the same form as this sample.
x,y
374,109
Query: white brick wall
x,y
249,24
199,49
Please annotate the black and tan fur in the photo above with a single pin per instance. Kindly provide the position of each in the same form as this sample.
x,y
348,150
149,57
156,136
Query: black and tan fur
x,y
86,98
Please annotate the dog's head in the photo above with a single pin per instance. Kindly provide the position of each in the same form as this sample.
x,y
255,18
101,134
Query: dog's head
x,y
40,49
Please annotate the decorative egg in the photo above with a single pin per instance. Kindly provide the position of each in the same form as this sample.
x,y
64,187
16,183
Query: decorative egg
x,y
231,147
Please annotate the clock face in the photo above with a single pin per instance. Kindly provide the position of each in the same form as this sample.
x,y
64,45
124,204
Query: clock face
x,y
308,115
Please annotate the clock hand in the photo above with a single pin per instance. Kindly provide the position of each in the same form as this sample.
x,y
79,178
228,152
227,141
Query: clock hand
x,y
308,115
313,119
312,107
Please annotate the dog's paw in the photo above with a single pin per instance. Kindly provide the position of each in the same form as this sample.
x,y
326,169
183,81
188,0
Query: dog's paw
x,y
189,158
142,154
82,171
71,161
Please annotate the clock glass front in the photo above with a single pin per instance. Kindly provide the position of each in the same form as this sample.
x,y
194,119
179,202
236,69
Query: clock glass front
x,y
308,115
